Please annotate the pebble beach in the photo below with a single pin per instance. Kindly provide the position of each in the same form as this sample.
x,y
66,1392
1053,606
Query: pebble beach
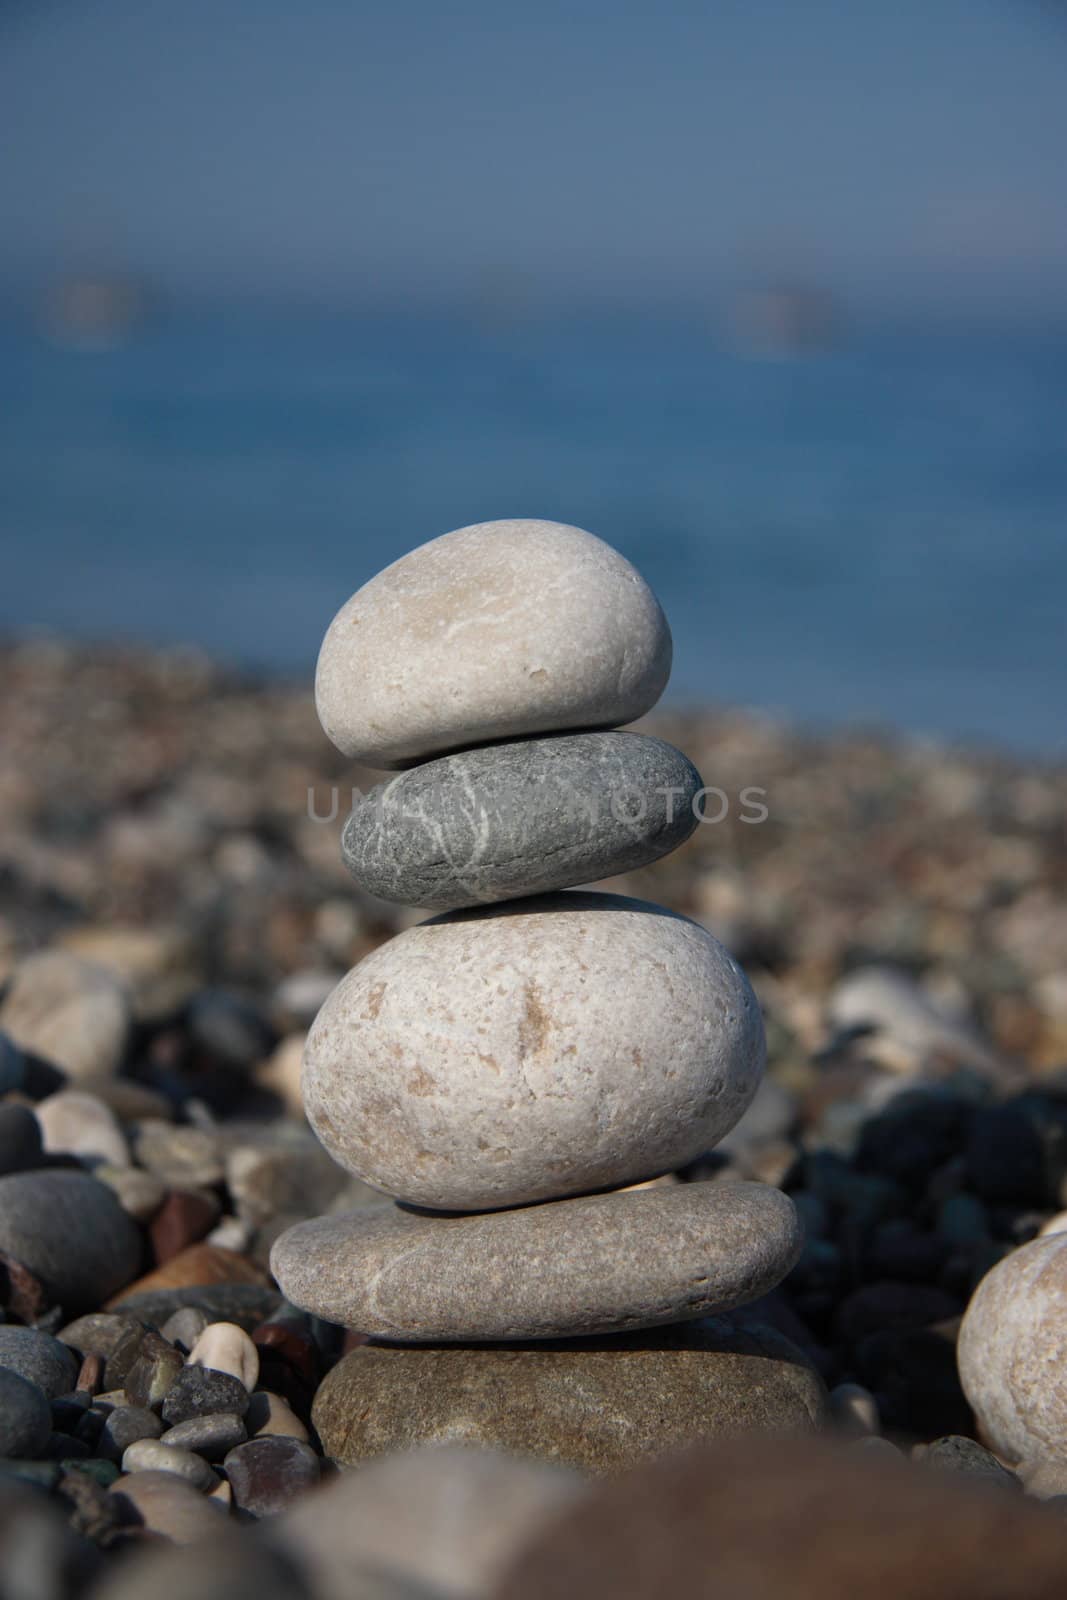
x,y
175,910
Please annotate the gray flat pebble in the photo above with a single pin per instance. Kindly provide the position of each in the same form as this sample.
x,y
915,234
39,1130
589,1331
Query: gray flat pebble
x,y
184,1328
152,1455
72,1234
520,819
39,1358
200,1392
210,1436
25,1416
125,1425
598,1264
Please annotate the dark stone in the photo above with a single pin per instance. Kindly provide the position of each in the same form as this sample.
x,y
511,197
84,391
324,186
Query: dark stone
x,y
25,1416
200,1391
72,1234
898,1250
154,1373
20,1139
266,1475
1005,1158
184,1218
913,1375
954,1453
891,1308
209,1436
123,1427
39,1358
521,818
230,1031
917,1132
247,1304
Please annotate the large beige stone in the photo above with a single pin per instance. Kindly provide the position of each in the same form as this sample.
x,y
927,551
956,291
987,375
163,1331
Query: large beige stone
x,y
1012,1354
556,1045
491,632
598,1264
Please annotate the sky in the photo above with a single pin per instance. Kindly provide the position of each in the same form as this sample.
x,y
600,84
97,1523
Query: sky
x,y
332,149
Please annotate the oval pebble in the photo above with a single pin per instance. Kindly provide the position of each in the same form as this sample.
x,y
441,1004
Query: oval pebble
x,y
493,631
25,1416
166,1504
267,1474
209,1436
126,1425
72,1234
578,1041
224,1347
39,1359
152,1455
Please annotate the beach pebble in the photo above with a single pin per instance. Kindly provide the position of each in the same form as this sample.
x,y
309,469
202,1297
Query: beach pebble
x,y
20,1139
448,1516
184,1328
139,1193
572,1042
185,1217
490,632
210,1436
126,1425
230,1030
266,1474
25,1415
185,1280
902,1027
38,1358
270,1416
1055,1224
223,1565
41,1556
72,1234
71,1012
224,1347
198,1392
280,1074
166,1504
597,1264
520,819
955,1453
152,1455
854,1409
182,1157
154,1373
1012,1354
597,1408
79,1124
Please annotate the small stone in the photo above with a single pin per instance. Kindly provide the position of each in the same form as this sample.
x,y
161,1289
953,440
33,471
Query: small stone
x,y
1055,1224
184,1218
269,1416
266,1474
281,1073
198,1392
201,1266
38,1358
140,1194
210,1436
69,1011
298,997
221,1300
71,1233
473,1511
100,1471
157,965
397,1095
527,818
232,1233
89,1510
599,1264
957,1454
126,1425
1012,1354
598,1408
20,1140
854,1409
184,1158
228,1029
184,1328
25,1416
101,1333
164,1503
154,1373
152,1455
79,1124
91,1374
224,1347
563,634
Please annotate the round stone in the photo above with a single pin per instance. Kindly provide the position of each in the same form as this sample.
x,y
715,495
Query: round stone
x,y
73,1013
491,632
492,1058
39,1359
126,1425
521,819
1012,1354
266,1474
599,1264
152,1455
211,1436
72,1234
598,1407
25,1416
166,1504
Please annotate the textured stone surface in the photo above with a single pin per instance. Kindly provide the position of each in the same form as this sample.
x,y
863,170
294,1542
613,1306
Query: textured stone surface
x,y
220,1298
224,1347
445,1515
267,1474
566,1043
598,1405
491,632
1012,1353
38,1358
793,1519
72,1234
211,1436
521,819
25,1415
199,1392
123,1426
598,1264
69,1011
156,1369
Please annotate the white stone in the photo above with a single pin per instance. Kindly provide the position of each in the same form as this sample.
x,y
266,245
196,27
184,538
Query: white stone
x,y
494,1058
224,1347
491,632
1012,1354
78,1124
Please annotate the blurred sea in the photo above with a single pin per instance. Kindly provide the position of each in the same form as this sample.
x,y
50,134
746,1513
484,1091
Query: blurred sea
x,y
875,534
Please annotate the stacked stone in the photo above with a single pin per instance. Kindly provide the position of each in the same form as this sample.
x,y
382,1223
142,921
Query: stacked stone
x,y
505,1069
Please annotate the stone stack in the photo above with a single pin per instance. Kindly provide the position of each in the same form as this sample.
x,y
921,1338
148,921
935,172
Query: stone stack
x,y
505,1069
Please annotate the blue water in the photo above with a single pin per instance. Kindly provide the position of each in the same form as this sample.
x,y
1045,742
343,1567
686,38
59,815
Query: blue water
x,y
878,534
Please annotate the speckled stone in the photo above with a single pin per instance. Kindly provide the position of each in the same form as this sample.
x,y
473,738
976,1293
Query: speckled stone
x,y
1012,1354
491,632
520,819
556,1045
39,1359
72,1234
599,1264
599,1405
199,1392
